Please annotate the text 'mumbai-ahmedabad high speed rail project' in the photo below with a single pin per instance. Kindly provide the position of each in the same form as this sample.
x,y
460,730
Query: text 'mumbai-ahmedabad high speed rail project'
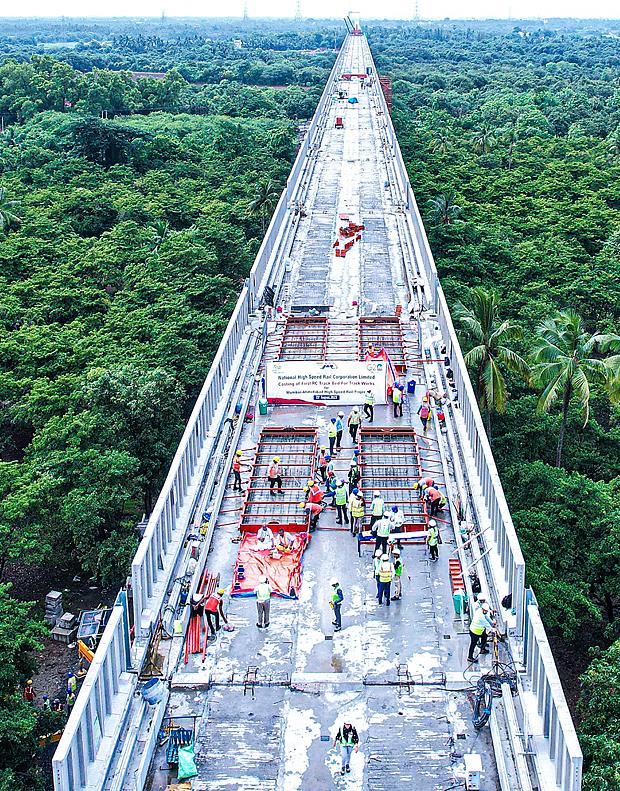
x,y
342,312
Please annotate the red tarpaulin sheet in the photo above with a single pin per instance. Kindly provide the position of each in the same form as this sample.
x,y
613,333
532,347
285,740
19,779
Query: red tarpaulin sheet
x,y
284,573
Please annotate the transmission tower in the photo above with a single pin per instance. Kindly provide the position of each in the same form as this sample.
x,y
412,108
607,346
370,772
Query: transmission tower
x,y
298,10
245,9
416,11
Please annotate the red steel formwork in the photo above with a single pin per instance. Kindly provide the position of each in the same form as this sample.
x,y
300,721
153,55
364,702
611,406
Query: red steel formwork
x,y
383,332
391,463
297,451
304,338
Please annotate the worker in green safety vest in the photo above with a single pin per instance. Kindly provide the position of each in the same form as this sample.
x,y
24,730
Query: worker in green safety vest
x,y
348,740
341,498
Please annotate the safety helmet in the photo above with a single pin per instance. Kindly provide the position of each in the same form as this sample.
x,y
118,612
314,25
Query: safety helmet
x,y
45,697
276,459
221,591
333,420
385,557
416,485
328,457
425,398
334,581
356,452
323,447
302,504
378,553
29,682
394,508
355,490
396,551
376,493
355,409
310,482
386,513
432,523
340,414
341,482
69,674
239,452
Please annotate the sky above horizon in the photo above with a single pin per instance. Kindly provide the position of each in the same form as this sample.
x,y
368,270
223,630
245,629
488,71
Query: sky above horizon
x,y
388,9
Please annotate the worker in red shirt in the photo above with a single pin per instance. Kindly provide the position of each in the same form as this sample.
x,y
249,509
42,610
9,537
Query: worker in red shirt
x,y
214,608
433,498
314,510
29,693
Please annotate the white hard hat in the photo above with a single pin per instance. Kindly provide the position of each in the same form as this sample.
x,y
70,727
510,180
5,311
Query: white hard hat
x,y
378,553
385,557
376,494
432,523
355,409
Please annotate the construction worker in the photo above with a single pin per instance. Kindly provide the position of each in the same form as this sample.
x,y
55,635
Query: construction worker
x,y
433,498
356,510
72,683
263,602
323,463
336,603
397,400
480,625
397,519
348,740
331,435
313,491
330,487
354,423
377,507
236,468
275,478
432,539
383,532
423,484
29,694
46,705
314,510
341,502
354,474
57,705
284,543
386,575
424,411
214,608
398,573
70,703
330,466
339,430
369,405
376,562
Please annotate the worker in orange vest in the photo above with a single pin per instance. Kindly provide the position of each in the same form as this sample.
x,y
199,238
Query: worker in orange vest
x,y
314,493
236,467
214,608
29,693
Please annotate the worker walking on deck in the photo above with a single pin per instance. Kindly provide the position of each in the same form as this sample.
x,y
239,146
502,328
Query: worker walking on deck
x,y
341,502
236,467
369,406
433,498
354,423
481,624
336,603
386,575
331,435
383,532
356,510
214,609
377,507
275,477
69,703
339,430
263,602
397,400
424,411
433,539
348,740
398,574
376,562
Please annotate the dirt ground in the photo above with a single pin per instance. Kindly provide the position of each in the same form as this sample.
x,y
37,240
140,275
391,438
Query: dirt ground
x,y
56,659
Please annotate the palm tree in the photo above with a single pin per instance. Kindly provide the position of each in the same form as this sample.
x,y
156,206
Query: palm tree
x,y
444,210
567,360
484,139
8,219
440,144
511,137
490,352
265,198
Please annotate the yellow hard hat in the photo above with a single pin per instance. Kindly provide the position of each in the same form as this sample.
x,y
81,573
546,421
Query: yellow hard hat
x,y
302,504
276,459
310,482
221,590
416,485
239,452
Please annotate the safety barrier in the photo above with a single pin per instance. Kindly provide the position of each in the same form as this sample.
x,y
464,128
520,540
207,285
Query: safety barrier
x,y
86,748
554,725
103,699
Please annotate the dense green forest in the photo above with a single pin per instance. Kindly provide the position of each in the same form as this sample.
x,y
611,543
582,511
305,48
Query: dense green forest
x,y
131,209
512,142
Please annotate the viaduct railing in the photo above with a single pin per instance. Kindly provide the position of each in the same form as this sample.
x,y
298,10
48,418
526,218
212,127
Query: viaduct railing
x,y
84,754
556,750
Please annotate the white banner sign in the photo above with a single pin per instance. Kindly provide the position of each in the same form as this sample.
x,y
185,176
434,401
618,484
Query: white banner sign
x,y
325,383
